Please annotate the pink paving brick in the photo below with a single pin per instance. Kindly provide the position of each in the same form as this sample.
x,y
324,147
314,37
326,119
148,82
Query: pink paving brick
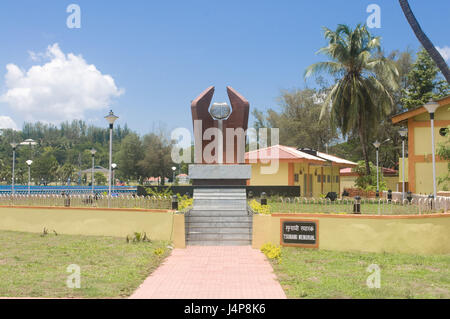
x,y
237,272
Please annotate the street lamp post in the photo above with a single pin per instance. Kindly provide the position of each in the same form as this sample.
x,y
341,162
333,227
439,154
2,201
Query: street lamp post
x,y
29,162
14,146
111,118
377,147
431,107
113,167
173,178
403,133
93,151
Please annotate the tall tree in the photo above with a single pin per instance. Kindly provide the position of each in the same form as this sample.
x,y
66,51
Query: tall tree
x,y
424,82
129,155
359,99
157,156
424,40
298,120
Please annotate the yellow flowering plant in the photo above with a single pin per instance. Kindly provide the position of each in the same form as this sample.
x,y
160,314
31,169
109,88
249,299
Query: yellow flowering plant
x,y
258,208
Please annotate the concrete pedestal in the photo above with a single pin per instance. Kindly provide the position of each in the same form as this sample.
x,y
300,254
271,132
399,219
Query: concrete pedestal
x,y
219,216
219,174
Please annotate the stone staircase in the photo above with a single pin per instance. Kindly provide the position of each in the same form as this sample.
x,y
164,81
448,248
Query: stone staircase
x,y
219,218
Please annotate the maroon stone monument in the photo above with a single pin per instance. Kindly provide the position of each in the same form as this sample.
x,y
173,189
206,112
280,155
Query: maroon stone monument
x,y
219,145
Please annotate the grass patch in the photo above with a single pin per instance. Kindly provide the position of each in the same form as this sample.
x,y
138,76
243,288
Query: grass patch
x,y
343,208
36,266
307,273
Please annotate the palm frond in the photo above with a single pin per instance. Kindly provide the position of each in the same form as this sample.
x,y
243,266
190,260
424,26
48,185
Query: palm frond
x,y
332,68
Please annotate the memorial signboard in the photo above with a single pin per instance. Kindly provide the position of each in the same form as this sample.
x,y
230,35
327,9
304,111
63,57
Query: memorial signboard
x,y
299,233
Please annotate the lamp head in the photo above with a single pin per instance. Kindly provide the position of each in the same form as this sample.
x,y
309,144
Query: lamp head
x,y
173,168
14,145
93,151
29,162
111,118
431,106
113,165
403,132
377,144
29,142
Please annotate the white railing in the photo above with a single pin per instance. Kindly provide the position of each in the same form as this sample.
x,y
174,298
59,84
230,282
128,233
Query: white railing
x,y
371,206
77,200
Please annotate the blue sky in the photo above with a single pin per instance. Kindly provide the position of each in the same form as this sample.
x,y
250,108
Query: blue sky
x,y
162,54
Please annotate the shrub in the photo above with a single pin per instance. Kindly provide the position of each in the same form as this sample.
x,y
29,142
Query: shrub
x,y
138,237
258,208
272,252
369,182
184,202
167,192
159,251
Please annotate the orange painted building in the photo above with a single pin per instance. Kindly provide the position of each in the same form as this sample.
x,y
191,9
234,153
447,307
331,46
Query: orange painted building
x,y
418,171
314,172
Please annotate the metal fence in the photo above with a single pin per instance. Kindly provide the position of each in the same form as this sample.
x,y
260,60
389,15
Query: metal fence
x,y
72,190
380,206
99,201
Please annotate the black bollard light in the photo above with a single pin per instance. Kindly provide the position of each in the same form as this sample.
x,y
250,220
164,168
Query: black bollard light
x,y
67,200
389,195
431,201
263,198
175,202
357,205
409,197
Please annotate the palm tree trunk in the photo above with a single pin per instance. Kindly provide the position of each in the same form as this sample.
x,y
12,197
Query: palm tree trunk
x,y
363,141
364,149
424,40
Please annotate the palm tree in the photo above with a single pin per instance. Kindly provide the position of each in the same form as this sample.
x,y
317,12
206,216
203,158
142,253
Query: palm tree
x,y
358,100
424,40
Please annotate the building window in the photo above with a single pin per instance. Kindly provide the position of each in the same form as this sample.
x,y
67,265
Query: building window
x,y
443,131
328,179
296,178
337,179
319,178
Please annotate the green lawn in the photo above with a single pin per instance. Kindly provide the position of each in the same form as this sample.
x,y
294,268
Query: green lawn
x,y
35,266
306,273
367,208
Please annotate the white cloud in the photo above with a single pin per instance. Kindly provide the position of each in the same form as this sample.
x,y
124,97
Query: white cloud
x,y
7,122
64,88
445,52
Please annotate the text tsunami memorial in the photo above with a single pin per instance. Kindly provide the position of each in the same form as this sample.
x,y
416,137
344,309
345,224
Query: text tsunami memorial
x,y
299,233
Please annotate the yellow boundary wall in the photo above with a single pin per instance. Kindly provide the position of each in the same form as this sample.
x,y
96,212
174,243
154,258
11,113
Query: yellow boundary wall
x,y
158,224
425,234
418,234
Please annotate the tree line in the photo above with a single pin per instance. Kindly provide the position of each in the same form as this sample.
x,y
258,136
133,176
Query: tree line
x,y
62,152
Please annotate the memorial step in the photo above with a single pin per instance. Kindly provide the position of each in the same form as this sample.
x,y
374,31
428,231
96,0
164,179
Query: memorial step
x,y
219,243
217,219
220,196
219,237
212,190
218,230
209,224
218,213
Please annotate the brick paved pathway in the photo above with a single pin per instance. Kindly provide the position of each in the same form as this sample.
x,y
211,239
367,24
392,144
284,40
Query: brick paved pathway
x,y
196,272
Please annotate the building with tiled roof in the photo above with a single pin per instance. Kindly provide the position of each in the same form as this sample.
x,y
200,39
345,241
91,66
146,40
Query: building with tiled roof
x,y
314,172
